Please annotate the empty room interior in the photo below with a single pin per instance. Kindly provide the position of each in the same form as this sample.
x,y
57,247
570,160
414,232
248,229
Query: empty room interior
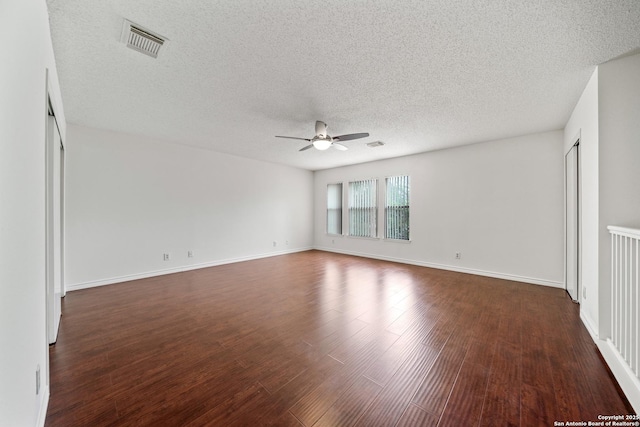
x,y
333,213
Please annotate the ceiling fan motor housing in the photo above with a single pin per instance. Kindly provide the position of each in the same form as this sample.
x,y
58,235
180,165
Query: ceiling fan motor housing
x,y
323,141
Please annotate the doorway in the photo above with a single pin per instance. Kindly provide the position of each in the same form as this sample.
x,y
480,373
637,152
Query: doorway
x,y
54,224
572,222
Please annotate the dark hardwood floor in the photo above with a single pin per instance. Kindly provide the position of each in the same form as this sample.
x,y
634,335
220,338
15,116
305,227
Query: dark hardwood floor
x,y
321,339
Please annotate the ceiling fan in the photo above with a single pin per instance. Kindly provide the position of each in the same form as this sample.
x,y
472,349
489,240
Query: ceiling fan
x,y
322,141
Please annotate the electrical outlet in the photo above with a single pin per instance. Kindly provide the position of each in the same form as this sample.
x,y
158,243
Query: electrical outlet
x,y
165,257
584,292
190,254
333,241
458,255
286,242
275,243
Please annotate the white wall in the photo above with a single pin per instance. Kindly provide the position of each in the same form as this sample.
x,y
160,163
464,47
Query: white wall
x,y
606,118
131,199
584,123
619,161
499,203
22,208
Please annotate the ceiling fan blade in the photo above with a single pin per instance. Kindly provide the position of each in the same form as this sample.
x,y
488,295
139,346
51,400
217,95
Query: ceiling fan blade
x,y
350,136
306,148
293,137
339,146
321,129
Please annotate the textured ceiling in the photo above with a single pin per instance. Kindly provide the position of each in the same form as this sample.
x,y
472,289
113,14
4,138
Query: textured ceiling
x,y
417,74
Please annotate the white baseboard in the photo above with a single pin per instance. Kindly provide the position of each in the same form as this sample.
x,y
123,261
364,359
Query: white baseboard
x,y
126,278
588,323
627,380
44,404
505,276
136,276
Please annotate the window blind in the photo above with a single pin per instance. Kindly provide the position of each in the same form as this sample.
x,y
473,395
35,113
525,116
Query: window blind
x,y
334,209
397,208
363,208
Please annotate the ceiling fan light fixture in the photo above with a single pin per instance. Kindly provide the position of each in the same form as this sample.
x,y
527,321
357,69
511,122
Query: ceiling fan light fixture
x,y
322,144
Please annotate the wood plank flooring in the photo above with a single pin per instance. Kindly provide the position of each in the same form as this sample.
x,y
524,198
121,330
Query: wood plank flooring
x,y
321,339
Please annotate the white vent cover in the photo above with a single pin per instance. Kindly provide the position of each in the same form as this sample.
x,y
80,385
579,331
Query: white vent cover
x,y
141,39
375,144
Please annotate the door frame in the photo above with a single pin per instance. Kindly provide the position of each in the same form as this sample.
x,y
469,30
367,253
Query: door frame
x,y
573,259
54,218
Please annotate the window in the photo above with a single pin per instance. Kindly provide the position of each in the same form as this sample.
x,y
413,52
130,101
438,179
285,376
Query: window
x,y
397,208
363,208
334,209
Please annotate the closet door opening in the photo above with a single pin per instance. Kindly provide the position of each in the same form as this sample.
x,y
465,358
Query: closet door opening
x,y
572,222
54,221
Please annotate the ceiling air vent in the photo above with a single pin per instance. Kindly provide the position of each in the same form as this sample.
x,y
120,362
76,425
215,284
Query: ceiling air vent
x,y
141,39
375,144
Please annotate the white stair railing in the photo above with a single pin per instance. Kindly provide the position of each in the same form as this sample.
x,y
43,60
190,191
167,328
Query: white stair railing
x,y
625,297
